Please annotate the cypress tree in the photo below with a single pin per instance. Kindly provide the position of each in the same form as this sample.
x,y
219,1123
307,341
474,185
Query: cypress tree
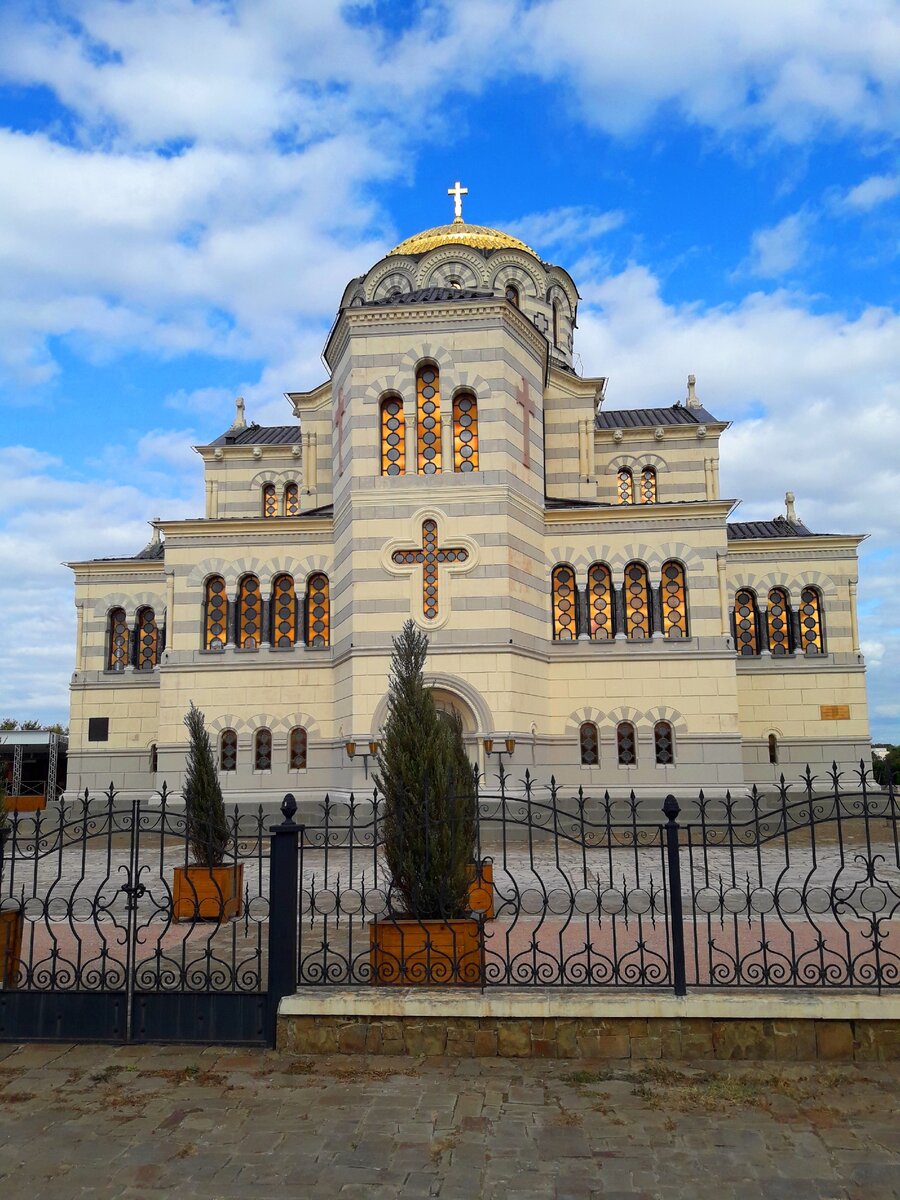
x,y
207,828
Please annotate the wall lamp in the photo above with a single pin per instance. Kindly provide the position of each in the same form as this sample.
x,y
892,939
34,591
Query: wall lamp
x,y
374,747
509,746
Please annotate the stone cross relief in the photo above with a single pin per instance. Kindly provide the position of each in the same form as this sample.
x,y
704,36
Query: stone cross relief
x,y
431,556
528,411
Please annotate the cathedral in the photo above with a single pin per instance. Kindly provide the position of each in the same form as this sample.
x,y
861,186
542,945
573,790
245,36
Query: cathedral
x,y
594,612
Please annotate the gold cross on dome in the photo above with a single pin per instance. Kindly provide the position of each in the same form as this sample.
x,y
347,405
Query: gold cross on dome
x,y
457,192
431,556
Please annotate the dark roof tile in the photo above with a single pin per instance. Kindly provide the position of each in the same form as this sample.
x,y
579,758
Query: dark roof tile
x,y
781,527
642,418
432,295
260,435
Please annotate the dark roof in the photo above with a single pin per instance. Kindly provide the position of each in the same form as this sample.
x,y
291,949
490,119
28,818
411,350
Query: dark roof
x,y
563,502
152,550
641,418
260,435
431,295
781,527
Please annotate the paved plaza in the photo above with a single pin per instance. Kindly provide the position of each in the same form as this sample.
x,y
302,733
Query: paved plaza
x,y
235,1124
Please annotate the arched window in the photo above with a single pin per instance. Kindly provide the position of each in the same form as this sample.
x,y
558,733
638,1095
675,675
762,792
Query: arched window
x,y
626,744
663,744
556,341
428,420
625,486
600,597
465,432
147,639
563,581
249,613
674,600
154,758
637,601
284,611
512,294
216,610
393,437
228,750
778,622
648,485
297,749
811,640
291,500
117,654
746,638
773,748
589,739
318,611
262,750
269,501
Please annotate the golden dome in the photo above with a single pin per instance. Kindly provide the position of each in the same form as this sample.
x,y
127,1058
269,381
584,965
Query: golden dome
x,y
460,234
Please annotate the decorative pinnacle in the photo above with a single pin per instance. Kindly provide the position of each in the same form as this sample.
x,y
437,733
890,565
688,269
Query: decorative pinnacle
x,y
790,512
692,401
240,419
457,192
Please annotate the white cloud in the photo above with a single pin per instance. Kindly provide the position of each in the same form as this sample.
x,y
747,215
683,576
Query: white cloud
x,y
779,250
872,192
567,226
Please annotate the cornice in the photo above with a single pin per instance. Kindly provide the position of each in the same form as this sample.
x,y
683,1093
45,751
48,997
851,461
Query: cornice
x,y
147,568
262,529
637,516
767,548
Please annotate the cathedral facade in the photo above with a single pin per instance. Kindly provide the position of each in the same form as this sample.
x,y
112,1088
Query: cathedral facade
x,y
593,612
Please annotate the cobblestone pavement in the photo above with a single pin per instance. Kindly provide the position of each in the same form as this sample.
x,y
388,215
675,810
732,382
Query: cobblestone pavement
x,y
235,1124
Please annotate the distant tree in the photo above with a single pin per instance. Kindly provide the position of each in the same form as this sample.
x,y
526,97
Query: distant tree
x,y
31,725
9,723
887,769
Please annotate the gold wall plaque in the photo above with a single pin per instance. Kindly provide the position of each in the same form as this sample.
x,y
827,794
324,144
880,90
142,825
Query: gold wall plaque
x,y
834,712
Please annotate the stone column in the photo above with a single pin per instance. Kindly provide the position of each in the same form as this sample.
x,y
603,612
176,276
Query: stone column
x,y
409,421
723,596
170,610
447,442
715,479
79,634
854,620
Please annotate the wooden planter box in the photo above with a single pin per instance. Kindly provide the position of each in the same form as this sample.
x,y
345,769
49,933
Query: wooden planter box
x,y
207,893
481,889
12,922
25,803
411,953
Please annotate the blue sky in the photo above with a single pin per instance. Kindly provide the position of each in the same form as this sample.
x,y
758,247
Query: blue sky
x,y
187,187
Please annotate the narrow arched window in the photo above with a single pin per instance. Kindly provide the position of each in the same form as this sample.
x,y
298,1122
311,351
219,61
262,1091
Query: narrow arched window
x,y
512,294
648,486
291,500
637,601
228,750
746,637
262,750
778,622
297,749
465,432
428,420
154,758
773,748
811,640
147,639
674,600
563,582
215,614
556,341
600,597
626,744
117,654
318,611
589,739
249,613
625,486
393,437
663,744
284,611
269,501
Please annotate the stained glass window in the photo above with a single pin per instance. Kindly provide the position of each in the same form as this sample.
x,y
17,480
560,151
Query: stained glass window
x,y
216,614
637,601
147,639
297,749
249,613
512,294
648,486
811,622
674,600
778,622
393,437
564,598
428,394
600,597
555,322
465,432
663,744
262,750
625,486
318,611
228,747
626,744
291,500
284,611
430,556
270,501
590,744
773,748
117,658
745,635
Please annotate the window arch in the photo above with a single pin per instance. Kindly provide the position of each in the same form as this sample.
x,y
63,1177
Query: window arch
x,y
291,500
269,501
648,485
564,599
674,600
512,294
318,611
664,744
284,611
637,601
249,613
773,748
215,614
746,636
778,622
589,739
601,602
117,654
147,639
262,750
297,744
228,750
393,436
811,640
465,432
428,420
625,486
626,744
556,341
